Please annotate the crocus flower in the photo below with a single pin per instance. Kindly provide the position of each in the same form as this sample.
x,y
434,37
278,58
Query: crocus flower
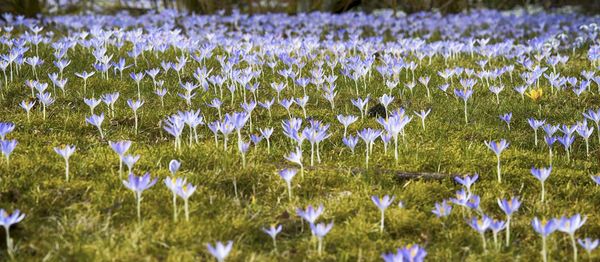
x,y
139,184
85,75
567,140
589,245
497,148
464,94
46,100
369,135
137,77
585,133
413,253
243,147
481,225
135,105
594,115
596,179
174,184
272,232
350,142
5,128
506,118
7,147
6,221
65,152
423,114
296,157
535,125
382,203
496,226
346,121
174,166
467,181
542,174
509,207
186,192
27,106
120,147
129,161
550,140
96,120
311,214
266,133
442,209
287,175
569,225
220,251
320,230
544,228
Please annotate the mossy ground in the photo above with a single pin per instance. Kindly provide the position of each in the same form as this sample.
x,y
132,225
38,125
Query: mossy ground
x,y
93,216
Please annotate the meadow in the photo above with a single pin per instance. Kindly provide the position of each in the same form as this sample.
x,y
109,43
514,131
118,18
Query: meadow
x,y
242,124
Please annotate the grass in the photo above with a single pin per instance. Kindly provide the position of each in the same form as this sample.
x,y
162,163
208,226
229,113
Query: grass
x,y
93,216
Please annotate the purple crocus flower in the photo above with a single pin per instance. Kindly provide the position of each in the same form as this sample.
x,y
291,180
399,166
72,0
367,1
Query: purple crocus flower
x,y
5,128
219,250
544,228
320,230
535,125
7,221
174,184
569,225
481,225
346,121
310,214
273,231
509,207
120,147
382,203
287,175
413,253
506,118
464,94
369,135
174,166
296,157
65,152
7,147
138,184
96,120
442,209
350,142
185,192
541,174
596,179
467,181
588,244
497,148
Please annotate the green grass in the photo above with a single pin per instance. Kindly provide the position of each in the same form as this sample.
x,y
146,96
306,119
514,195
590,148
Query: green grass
x,y
93,216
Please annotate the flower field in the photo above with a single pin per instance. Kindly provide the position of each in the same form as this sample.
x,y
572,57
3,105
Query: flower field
x,y
316,137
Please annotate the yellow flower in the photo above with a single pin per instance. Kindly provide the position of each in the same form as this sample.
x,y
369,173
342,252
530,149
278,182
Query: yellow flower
x,y
535,94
